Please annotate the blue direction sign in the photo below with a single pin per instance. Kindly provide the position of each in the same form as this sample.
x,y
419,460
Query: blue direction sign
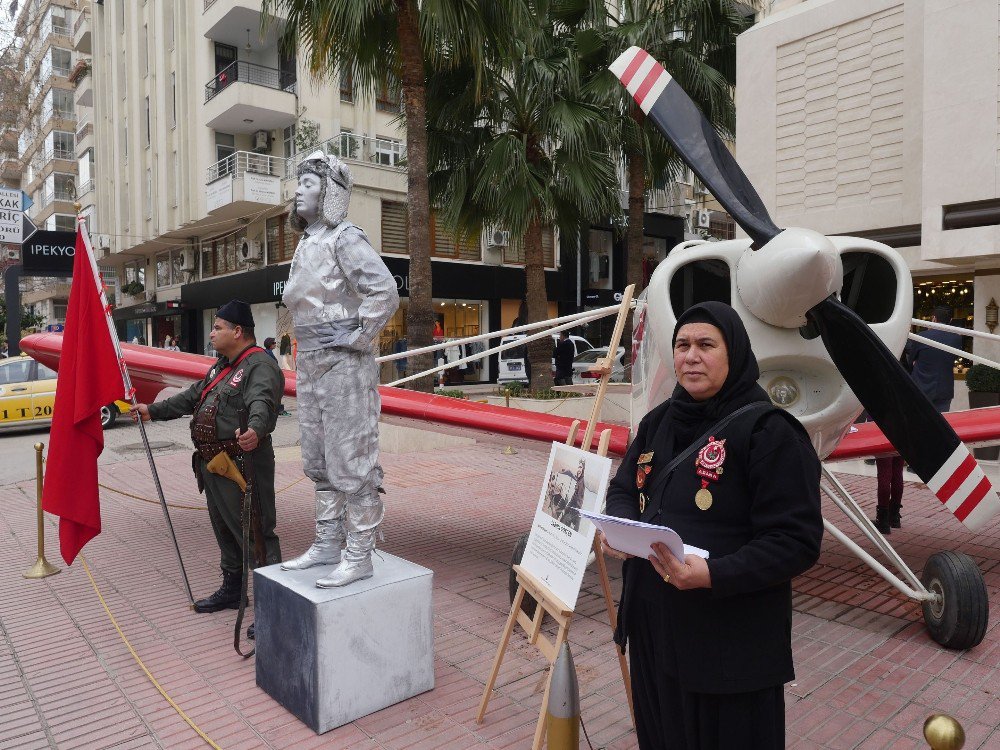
x,y
26,201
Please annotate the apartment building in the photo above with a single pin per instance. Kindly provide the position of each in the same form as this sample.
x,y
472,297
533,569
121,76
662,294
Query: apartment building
x,y
48,112
879,118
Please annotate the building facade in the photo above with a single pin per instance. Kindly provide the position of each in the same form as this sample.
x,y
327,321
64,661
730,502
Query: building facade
x,y
879,118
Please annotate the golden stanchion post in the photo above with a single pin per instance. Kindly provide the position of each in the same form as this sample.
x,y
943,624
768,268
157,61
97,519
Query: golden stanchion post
x,y
42,567
942,732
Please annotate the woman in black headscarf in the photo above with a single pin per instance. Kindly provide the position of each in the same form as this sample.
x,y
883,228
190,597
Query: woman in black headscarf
x,y
710,640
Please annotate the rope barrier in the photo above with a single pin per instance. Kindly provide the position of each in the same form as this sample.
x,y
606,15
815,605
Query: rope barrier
x,y
156,684
178,505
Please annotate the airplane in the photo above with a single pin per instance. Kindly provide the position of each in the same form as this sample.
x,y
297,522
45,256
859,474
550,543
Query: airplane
x,y
828,318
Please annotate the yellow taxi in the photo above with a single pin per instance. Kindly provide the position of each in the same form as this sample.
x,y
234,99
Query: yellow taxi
x,y
28,391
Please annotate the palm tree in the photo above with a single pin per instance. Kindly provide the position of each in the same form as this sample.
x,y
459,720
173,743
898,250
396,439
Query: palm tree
x,y
389,43
529,153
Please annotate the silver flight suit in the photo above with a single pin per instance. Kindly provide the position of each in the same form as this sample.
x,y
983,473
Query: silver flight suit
x,y
340,295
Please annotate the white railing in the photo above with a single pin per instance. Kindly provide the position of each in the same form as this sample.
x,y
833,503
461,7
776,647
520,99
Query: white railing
x,y
387,152
240,162
85,188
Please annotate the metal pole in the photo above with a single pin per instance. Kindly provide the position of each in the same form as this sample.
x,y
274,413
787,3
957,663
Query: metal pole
x,y
12,294
42,567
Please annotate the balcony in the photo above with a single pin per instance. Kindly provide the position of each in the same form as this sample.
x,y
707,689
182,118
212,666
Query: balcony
x,y
81,33
84,136
242,182
228,23
245,97
379,163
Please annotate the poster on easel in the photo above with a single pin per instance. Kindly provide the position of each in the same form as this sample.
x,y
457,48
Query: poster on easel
x,y
561,540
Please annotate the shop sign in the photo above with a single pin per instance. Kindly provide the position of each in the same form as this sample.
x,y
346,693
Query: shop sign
x,y
601,297
279,288
219,193
145,309
402,282
262,188
49,253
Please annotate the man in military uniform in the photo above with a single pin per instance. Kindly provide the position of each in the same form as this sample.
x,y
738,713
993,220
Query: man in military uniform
x,y
244,377
340,295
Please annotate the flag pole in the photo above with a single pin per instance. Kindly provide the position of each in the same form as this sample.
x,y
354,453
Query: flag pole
x,y
130,394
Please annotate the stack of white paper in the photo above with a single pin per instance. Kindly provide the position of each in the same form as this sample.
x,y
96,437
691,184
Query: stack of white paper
x,y
637,538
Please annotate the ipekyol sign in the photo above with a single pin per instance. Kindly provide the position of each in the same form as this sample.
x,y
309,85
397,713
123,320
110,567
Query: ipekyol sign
x,y
49,253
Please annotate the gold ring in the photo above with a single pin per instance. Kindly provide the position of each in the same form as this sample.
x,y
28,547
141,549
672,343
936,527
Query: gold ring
x,y
666,578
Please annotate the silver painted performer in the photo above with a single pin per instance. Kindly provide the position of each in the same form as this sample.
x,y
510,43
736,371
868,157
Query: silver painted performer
x,y
340,295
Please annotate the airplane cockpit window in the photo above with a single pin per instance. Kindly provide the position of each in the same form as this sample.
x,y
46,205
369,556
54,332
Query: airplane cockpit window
x,y
700,281
869,286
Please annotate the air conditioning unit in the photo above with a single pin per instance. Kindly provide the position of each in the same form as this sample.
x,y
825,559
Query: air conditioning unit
x,y
102,240
250,251
12,252
700,218
261,141
188,259
699,187
493,255
498,238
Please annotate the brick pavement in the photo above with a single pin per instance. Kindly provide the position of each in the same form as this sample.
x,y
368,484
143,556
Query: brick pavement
x,y
868,675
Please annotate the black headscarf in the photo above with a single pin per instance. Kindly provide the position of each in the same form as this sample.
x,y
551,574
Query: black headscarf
x,y
689,418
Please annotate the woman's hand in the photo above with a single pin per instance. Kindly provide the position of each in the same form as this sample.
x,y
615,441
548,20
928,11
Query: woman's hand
x,y
691,573
611,551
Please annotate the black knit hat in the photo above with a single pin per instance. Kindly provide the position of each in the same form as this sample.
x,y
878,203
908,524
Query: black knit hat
x,y
236,312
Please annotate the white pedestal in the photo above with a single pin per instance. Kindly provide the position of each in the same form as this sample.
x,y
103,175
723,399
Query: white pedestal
x,y
331,656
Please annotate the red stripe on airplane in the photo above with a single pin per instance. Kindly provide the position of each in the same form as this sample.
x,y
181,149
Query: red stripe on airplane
x,y
651,78
955,481
970,503
630,71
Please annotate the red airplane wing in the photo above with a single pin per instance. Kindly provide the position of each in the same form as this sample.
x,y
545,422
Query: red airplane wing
x,y
152,370
974,428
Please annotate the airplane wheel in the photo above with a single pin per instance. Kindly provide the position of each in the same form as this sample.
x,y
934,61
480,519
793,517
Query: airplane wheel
x,y
959,619
528,603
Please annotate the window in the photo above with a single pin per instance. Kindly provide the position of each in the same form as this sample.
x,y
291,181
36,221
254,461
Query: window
x,y
346,86
388,98
394,227
62,104
281,239
134,273
17,371
516,255
170,267
387,151
62,61
163,269
64,186
444,244
225,146
62,20
721,226
65,223
63,144
288,140
219,256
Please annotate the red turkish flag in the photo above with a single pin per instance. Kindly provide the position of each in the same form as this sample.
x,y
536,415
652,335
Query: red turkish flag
x,y
89,377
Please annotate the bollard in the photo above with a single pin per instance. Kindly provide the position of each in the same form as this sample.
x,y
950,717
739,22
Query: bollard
x,y
42,567
506,395
562,715
942,732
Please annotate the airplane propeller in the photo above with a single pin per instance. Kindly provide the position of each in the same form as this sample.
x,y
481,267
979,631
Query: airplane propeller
x,y
792,276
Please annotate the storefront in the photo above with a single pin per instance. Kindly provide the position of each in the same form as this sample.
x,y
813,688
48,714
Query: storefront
x,y
954,291
469,298
150,323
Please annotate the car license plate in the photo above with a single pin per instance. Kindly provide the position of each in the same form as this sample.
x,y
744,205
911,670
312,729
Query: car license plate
x,y
514,365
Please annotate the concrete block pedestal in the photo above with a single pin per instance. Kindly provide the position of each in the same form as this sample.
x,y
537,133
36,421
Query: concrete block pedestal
x,y
331,656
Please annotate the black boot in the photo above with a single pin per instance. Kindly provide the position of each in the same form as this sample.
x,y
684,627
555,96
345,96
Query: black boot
x,y
882,520
227,597
894,520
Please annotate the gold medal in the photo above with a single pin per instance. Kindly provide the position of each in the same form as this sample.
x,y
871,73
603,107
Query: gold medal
x,y
703,499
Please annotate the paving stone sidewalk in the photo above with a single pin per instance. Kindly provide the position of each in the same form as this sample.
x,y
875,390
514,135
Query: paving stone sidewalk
x,y
868,674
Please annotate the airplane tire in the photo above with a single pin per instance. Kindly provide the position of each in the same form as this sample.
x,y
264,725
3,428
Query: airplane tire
x,y
959,620
528,603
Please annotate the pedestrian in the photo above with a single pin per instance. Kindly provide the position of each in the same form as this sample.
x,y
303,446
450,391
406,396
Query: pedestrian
x,y
243,377
169,345
564,354
269,344
933,370
285,352
340,295
710,639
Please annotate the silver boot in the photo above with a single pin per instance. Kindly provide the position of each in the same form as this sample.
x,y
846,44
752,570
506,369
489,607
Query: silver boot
x,y
364,513
325,550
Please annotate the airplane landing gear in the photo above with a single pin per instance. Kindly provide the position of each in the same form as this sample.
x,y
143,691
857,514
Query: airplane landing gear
x,y
958,614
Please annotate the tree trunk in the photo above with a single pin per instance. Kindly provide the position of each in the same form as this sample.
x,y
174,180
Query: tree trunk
x,y
420,313
636,209
539,351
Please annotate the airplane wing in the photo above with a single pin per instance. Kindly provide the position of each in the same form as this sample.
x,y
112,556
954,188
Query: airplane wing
x,y
975,427
152,370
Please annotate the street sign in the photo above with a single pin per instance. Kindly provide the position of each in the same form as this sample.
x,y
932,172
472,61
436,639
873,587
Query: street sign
x,y
49,253
55,328
28,227
11,216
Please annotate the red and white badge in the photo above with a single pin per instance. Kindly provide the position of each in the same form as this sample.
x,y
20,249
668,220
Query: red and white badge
x,y
710,459
235,379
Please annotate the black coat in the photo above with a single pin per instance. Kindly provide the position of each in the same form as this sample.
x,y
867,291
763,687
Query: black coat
x,y
764,527
564,354
933,369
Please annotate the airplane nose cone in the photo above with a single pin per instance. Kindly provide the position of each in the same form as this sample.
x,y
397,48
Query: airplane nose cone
x,y
792,273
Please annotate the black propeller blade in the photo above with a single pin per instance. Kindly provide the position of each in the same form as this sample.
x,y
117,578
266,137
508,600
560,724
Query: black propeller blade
x,y
683,124
921,435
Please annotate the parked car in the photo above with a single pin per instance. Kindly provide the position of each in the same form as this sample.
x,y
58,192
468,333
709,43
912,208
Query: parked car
x,y
583,366
513,361
28,393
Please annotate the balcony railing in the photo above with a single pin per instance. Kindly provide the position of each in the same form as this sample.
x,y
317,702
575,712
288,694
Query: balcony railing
x,y
62,28
81,17
85,188
247,72
84,129
352,146
237,164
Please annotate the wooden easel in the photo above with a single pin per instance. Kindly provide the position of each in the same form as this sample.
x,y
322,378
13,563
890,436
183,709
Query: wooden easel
x,y
548,603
